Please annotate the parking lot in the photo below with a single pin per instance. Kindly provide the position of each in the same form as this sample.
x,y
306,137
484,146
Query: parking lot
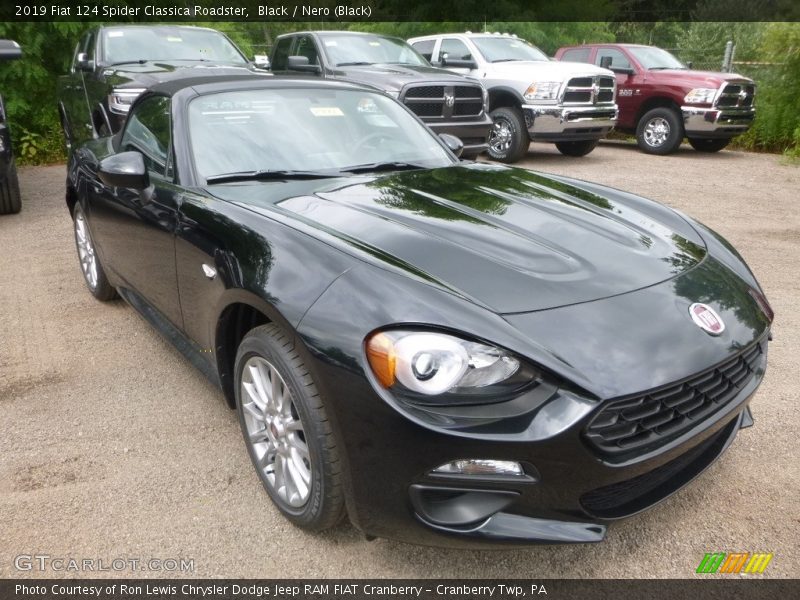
x,y
113,446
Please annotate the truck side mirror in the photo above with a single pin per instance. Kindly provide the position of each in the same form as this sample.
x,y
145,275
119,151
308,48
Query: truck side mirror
x,y
261,61
84,62
459,63
300,63
9,50
688,64
605,62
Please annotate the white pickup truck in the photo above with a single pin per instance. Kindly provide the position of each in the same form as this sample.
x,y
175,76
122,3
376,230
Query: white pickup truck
x,y
531,98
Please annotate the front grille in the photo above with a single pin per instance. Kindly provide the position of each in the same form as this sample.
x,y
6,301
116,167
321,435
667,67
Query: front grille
x,y
737,95
443,102
653,419
589,90
632,495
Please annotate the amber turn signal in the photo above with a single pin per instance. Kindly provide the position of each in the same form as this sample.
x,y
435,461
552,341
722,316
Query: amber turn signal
x,y
382,358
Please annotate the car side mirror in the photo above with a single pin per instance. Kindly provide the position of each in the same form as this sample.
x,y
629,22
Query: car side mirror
x,y
261,61
605,62
459,63
9,50
455,145
300,63
622,70
84,62
125,170
688,64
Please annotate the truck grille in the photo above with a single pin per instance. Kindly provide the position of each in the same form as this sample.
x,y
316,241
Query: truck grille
x,y
589,90
737,94
442,102
663,414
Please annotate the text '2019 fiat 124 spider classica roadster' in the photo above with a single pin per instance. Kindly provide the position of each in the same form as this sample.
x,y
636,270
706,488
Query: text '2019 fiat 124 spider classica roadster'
x,y
447,352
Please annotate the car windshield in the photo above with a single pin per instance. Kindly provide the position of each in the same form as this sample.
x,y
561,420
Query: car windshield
x,y
138,44
303,132
343,50
655,58
501,49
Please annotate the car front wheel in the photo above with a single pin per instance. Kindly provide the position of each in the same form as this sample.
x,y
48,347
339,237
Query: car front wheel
x,y
508,139
287,431
709,145
660,131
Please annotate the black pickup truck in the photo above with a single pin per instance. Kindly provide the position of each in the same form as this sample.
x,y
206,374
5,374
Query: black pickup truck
x,y
113,64
445,101
10,200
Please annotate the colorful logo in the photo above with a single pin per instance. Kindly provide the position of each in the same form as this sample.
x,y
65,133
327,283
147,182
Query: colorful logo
x,y
706,318
734,562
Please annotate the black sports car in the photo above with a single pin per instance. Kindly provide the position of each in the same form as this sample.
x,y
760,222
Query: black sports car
x,y
446,352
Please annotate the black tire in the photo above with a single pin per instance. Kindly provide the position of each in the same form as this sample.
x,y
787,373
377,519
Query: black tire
x,y
10,198
324,506
509,124
100,288
709,145
652,139
579,148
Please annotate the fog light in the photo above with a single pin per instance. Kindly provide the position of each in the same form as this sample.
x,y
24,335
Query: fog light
x,y
474,466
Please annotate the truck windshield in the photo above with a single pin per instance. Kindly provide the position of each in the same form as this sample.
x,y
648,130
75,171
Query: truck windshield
x,y
140,44
344,50
305,132
655,58
502,49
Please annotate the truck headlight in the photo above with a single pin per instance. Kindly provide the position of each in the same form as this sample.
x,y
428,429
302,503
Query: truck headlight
x,y
120,99
700,96
542,90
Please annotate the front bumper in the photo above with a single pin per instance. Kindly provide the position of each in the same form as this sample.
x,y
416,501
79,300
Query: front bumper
x,y
569,492
716,122
473,134
548,123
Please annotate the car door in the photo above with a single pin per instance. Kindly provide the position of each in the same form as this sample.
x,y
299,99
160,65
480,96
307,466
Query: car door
x,y
629,85
136,229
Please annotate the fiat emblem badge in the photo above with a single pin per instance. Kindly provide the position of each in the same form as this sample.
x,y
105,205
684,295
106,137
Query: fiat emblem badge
x,y
706,318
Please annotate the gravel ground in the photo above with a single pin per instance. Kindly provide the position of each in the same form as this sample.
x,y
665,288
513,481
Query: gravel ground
x,y
113,446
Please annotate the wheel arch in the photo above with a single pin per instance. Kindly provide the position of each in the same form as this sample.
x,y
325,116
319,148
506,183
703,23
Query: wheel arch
x,y
504,97
657,102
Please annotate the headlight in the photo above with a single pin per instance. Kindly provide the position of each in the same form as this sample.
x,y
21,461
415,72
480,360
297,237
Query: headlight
x,y
438,368
120,100
542,90
701,96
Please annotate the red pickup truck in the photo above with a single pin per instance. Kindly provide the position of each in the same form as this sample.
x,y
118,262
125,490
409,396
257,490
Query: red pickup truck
x,y
662,100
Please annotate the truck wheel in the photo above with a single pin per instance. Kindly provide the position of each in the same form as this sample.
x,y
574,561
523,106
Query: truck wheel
x,y
508,139
709,145
660,131
10,200
580,148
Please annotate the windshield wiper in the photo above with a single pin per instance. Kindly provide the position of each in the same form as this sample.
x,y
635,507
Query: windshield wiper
x,y
382,166
358,63
497,60
140,61
265,175
666,68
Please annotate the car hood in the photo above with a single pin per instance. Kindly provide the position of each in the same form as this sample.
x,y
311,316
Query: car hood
x,y
690,78
143,75
394,77
508,239
557,70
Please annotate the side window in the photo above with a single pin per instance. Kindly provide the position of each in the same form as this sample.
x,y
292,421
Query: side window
x,y
618,59
281,54
454,49
148,131
306,47
425,48
577,55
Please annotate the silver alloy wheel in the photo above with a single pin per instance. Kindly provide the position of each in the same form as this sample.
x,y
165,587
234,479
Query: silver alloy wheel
x,y
501,135
86,253
275,432
656,132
